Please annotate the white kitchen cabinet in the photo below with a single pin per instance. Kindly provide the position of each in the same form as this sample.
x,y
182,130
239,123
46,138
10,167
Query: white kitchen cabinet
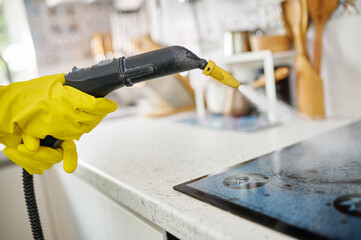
x,y
14,221
13,217
79,211
69,209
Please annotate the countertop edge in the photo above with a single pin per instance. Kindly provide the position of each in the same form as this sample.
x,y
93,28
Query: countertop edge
x,y
157,213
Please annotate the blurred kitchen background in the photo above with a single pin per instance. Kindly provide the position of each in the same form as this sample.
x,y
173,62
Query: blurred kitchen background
x,y
255,40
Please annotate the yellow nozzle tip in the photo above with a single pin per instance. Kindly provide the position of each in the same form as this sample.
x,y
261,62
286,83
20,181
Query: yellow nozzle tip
x,y
219,74
230,81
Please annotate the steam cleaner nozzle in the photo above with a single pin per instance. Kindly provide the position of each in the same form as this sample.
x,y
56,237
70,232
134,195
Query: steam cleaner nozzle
x,y
219,74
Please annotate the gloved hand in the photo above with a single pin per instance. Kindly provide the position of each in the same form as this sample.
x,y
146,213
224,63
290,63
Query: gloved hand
x,y
42,107
35,162
11,139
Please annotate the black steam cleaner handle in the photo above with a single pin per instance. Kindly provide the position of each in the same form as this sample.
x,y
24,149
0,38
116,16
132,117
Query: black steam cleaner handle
x,y
106,76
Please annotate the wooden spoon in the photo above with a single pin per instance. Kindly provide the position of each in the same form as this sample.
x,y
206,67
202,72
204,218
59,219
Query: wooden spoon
x,y
309,83
304,24
280,74
310,98
320,11
285,22
293,15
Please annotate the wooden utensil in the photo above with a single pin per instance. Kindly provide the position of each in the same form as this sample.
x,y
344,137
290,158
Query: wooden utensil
x,y
320,11
310,99
285,23
280,74
293,15
304,24
309,83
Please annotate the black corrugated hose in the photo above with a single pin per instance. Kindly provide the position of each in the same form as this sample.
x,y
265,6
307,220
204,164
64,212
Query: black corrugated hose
x,y
31,205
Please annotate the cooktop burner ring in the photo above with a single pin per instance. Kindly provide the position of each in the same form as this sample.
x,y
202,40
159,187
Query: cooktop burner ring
x,y
245,181
349,204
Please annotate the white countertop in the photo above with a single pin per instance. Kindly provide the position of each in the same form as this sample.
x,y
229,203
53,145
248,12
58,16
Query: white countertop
x,y
137,161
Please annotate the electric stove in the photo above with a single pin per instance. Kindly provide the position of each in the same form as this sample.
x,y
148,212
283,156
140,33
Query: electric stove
x,y
309,190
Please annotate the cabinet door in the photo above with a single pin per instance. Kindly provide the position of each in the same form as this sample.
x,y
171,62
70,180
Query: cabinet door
x,y
14,221
79,211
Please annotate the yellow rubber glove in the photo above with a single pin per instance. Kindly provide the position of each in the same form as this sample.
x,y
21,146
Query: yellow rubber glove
x,y
34,109
35,162
11,139
44,106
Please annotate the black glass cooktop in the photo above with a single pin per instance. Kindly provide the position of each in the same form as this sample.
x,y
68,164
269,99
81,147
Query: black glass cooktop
x,y
309,190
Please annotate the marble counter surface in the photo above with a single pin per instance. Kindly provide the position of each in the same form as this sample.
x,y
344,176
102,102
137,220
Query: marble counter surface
x,y
137,161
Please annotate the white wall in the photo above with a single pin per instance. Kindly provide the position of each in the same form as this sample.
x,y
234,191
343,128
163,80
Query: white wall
x,y
19,33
